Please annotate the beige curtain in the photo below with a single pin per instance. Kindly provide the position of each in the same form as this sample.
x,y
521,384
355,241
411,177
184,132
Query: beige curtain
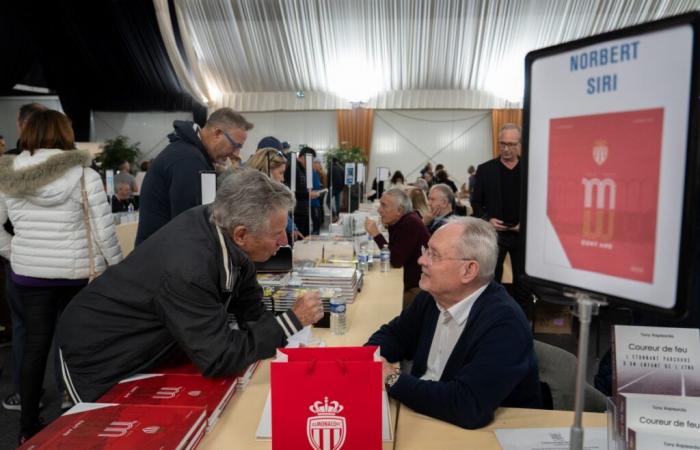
x,y
500,117
355,128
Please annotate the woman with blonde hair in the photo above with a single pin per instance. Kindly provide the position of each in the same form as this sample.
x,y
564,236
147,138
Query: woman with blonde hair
x,y
64,233
269,161
273,163
419,201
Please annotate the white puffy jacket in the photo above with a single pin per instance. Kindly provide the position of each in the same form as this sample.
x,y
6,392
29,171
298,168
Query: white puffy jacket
x,y
41,195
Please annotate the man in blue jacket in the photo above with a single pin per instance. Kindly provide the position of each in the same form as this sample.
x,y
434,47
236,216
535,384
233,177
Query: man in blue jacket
x,y
470,343
173,182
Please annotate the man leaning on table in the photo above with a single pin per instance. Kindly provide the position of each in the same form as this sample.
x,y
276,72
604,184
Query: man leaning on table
x,y
174,293
470,343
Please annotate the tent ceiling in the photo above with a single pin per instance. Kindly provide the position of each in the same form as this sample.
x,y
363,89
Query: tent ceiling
x,y
258,53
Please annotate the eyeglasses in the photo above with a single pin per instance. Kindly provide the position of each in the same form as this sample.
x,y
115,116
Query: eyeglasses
x,y
508,145
430,255
233,143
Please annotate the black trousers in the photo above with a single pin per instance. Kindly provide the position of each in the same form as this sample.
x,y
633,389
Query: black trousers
x,y
302,223
316,219
509,242
42,307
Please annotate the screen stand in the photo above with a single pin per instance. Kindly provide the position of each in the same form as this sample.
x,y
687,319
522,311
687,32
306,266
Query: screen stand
x,y
588,306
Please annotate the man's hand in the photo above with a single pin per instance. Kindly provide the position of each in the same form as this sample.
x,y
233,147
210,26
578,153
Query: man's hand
x,y
515,228
308,308
388,368
498,225
371,227
314,194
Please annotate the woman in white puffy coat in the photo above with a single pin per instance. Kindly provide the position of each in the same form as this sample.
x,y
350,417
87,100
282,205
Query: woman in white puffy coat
x,y
41,194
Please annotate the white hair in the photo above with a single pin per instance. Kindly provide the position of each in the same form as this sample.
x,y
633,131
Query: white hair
x,y
478,241
247,197
403,201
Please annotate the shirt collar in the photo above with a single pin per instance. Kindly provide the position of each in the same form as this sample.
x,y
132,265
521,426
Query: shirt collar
x,y
460,310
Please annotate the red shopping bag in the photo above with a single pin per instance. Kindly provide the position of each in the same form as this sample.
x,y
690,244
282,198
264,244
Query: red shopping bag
x,y
326,398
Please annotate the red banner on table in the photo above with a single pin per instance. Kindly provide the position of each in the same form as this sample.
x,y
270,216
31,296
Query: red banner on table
x,y
326,398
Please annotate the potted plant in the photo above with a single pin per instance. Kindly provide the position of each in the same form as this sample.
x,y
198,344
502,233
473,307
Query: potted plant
x,y
116,151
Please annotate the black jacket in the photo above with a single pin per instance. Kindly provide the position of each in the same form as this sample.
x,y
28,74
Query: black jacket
x,y
493,362
173,183
301,191
486,196
171,292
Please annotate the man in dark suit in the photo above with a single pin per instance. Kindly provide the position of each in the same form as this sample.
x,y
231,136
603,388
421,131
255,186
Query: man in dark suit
x,y
470,343
496,198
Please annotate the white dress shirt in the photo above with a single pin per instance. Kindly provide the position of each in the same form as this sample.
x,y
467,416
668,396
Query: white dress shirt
x,y
450,325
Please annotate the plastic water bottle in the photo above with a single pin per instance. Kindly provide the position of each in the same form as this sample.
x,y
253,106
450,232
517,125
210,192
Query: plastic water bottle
x,y
130,213
385,259
370,251
363,258
338,316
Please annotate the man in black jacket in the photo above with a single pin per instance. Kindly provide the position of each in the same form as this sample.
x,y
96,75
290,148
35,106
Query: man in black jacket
x,y
470,343
173,183
175,291
496,198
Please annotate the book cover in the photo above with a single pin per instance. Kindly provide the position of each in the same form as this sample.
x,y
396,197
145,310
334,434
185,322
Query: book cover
x,y
603,191
650,440
656,360
659,413
174,389
110,426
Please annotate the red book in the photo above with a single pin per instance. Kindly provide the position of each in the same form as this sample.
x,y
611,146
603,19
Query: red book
x,y
181,365
110,426
603,190
175,390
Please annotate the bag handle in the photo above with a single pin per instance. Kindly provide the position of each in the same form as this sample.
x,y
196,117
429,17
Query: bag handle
x,y
86,221
341,363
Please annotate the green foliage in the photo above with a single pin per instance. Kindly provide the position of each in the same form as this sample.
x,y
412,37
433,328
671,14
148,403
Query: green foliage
x,y
343,155
116,151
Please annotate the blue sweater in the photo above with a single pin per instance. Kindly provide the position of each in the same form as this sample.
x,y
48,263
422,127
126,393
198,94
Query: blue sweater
x,y
493,363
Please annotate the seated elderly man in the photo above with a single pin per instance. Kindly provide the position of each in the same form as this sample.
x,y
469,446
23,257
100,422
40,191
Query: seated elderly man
x,y
441,200
175,291
470,342
407,235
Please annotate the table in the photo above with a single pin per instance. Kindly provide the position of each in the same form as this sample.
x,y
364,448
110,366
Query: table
x,y
379,302
126,234
418,432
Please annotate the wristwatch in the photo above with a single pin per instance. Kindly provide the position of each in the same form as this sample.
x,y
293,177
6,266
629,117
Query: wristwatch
x,y
391,379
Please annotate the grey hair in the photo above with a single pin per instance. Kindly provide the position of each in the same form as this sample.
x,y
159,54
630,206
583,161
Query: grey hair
x,y
403,201
227,117
478,241
422,184
510,126
242,197
446,191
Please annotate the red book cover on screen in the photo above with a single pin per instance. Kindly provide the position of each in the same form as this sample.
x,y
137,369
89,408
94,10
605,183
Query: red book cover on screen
x,y
603,190
110,426
175,390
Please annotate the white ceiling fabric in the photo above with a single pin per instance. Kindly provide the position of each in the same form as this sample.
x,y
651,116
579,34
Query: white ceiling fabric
x,y
253,55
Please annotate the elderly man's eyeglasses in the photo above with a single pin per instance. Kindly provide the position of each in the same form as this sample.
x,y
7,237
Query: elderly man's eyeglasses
x,y
233,143
430,255
508,145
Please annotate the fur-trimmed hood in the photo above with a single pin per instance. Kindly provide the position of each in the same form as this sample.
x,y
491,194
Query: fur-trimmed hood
x,y
48,176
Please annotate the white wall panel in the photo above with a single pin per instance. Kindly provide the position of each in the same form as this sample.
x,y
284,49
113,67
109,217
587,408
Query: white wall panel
x,y
150,128
317,129
406,140
9,107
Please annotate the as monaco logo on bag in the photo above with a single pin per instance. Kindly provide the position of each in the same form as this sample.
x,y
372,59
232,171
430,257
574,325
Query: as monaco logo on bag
x,y
326,430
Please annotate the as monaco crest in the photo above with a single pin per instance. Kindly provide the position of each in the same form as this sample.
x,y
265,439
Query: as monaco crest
x,y
326,430
600,152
